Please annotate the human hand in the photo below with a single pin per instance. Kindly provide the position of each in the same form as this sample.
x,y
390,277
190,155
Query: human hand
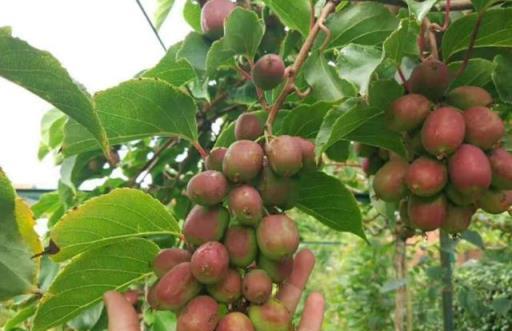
x,y
123,317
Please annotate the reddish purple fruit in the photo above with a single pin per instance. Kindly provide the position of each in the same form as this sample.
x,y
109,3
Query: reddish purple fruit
x,y
427,214
213,15
308,153
200,314
426,177
277,236
243,161
210,263
268,72
470,170
257,286
501,165
277,191
389,182
235,321
241,244
284,155
278,271
465,97
248,127
152,299
408,112
207,188
443,131
272,316
246,205
484,128
431,79
205,224
495,202
176,287
458,218
168,259
215,158
227,290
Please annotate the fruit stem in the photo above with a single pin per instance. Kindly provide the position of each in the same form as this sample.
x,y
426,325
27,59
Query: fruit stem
x,y
299,62
151,163
402,78
471,45
200,149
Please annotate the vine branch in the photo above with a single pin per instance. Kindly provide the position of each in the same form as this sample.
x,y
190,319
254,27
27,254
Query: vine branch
x,y
471,45
299,62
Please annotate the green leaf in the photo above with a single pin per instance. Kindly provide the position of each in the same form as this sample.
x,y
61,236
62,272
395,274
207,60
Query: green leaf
x,y
502,77
52,132
328,200
18,242
356,63
366,23
473,237
420,9
495,31
194,49
162,11
481,5
382,93
339,152
192,14
295,14
137,109
402,42
21,316
325,83
477,73
305,120
175,72
219,56
118,215
85,279
39,72
243,32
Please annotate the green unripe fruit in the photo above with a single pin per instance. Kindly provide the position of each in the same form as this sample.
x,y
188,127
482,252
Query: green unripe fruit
x,y
243,161
207,188
465,97
210,263
229,289
215,158
248,127
484,128
501,165
458,218
427,214
176,287
241,244
169,258
257,286
426,177
431,79
278,271
213,16
389,182
272,316
200,314
268,72
205,224
246,205
470,170
284,155
443,131
277,191
277,236
408,112
495,202
235,322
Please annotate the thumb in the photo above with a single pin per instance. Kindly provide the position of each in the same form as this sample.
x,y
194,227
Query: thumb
x,y
121,314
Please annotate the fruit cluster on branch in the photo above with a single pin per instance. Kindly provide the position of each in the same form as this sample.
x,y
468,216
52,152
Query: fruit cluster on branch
x,y
456,163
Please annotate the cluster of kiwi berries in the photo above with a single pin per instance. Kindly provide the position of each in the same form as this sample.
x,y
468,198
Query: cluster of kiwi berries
x,y
235,255
239,243
456,163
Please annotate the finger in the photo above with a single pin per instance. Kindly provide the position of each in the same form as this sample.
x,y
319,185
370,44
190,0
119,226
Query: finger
x,y
131,296
292,288
121,314
313,314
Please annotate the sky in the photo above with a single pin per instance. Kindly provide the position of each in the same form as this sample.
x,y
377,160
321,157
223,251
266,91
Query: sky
x,y
101,43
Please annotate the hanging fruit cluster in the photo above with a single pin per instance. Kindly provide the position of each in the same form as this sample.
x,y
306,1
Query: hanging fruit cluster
x,y
456,163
